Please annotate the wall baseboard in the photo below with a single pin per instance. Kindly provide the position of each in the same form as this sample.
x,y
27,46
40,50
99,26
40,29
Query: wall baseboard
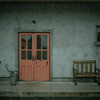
x,y
58,79
62,79
70,79
4,78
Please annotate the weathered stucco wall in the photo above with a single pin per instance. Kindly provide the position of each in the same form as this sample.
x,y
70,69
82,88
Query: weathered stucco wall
x,y
73,26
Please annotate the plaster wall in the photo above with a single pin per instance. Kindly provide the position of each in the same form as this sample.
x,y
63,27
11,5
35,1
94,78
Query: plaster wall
x,y
73,26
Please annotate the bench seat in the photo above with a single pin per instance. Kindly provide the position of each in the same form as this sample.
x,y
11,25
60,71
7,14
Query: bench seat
x,y
87,74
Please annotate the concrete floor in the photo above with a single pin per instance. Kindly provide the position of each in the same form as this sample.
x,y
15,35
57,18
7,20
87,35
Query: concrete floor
x,y
49,89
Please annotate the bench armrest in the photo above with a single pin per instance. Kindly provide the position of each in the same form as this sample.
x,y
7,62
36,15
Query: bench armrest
x,y
74,70
98,69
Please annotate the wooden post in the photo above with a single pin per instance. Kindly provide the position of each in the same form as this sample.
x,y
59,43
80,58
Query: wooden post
x,y
99,78
82,67
90,67
73,72
78,67
75,78
86,70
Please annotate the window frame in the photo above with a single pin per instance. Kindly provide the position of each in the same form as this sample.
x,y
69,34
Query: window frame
x,y
97,42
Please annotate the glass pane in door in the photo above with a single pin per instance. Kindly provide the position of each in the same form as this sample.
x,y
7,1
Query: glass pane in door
x,y
29,55
44,41
38,41
44,55
38,55
23,41
29,41
23,56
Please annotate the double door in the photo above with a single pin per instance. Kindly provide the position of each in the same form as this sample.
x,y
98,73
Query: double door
x,y
34,56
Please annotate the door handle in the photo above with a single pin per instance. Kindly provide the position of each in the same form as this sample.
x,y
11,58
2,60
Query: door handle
x,y
47,63
33,58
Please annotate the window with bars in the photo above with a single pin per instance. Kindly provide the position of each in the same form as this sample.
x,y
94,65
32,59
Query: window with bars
x,y
97,35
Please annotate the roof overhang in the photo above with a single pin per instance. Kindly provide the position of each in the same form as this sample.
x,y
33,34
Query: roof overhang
x,y
49,0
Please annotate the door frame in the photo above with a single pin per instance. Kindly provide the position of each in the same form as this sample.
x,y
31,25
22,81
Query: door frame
x,y
35,31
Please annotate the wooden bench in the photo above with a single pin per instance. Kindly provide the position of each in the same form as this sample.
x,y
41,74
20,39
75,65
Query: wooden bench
x,y
85,68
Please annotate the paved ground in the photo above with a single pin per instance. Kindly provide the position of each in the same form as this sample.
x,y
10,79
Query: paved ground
x,y
49,89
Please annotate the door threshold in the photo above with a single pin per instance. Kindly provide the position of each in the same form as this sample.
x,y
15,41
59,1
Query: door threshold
x,y
32,81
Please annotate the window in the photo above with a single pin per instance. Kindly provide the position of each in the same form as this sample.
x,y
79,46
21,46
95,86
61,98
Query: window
x,y
98,35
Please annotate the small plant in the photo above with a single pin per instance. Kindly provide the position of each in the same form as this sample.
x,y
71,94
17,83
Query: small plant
x,y
12,73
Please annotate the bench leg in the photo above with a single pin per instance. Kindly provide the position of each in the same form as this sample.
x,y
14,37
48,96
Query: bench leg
x,y
95,79
99,78
75,79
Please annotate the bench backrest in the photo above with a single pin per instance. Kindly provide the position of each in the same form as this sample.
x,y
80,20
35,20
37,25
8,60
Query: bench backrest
x,y
84,66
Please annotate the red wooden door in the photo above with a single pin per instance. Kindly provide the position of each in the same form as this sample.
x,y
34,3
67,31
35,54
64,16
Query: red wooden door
x,y
34,56
42,55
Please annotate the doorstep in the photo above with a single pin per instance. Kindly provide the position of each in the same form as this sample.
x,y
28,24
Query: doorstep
x,y
49,89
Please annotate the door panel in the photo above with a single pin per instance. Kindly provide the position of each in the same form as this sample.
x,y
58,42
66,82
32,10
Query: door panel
x,y
34,56
42,54
26,70
25,56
